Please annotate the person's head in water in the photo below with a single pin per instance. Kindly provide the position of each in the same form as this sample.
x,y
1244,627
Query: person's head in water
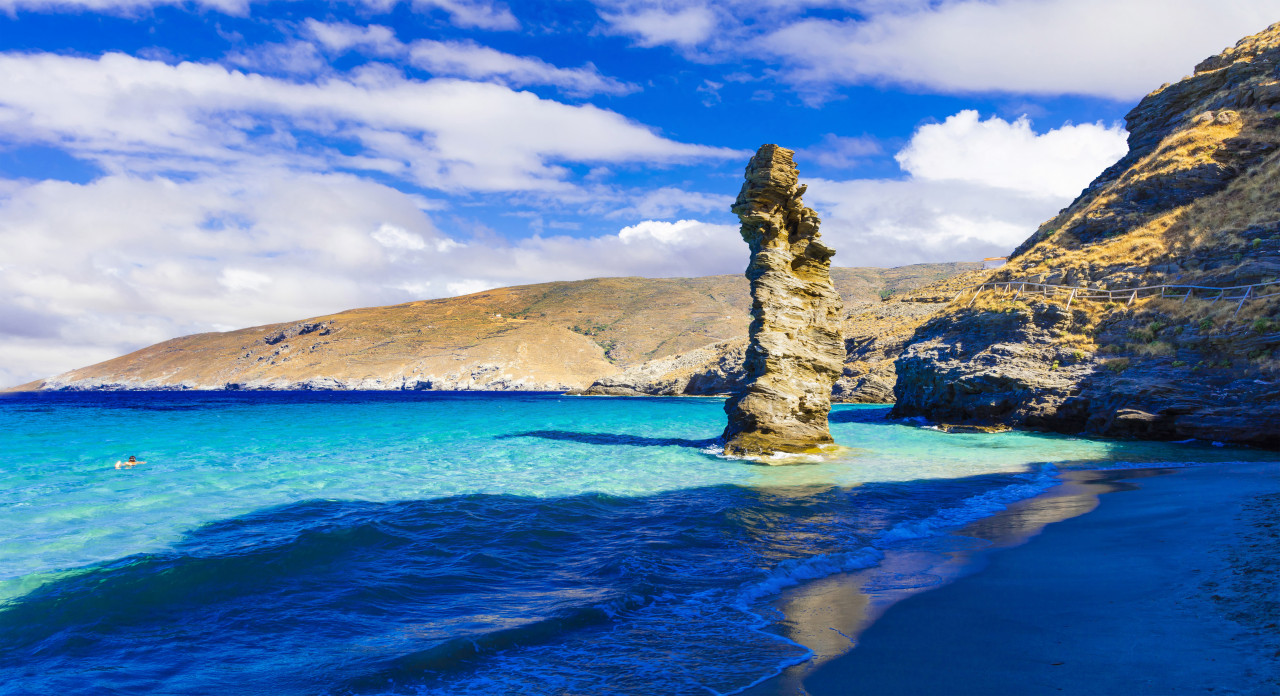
x,y
133,458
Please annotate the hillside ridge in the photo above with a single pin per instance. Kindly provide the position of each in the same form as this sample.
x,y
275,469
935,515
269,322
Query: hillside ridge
x,y
553,336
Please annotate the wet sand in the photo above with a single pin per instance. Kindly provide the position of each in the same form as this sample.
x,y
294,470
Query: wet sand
x,y
1123,582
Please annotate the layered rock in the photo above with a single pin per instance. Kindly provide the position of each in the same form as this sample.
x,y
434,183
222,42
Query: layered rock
x,y
795,351
1196,201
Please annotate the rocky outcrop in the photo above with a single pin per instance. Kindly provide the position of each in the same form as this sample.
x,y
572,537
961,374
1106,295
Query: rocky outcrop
x,y
795,351
1195,202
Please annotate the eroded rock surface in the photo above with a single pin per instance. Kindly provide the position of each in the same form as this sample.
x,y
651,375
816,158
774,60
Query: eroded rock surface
x,y
1196,201
795,351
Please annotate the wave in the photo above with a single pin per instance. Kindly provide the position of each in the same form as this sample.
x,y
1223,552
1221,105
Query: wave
x,y
475,594
974,508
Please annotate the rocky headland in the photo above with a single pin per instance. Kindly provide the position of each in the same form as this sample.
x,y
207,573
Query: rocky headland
x,y
546,337
794,348
1194,206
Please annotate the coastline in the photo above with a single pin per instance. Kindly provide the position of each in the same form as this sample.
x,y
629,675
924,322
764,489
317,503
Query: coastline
x,y
1149,581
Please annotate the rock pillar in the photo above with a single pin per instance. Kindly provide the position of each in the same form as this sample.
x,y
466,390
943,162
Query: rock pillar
x,y
796,351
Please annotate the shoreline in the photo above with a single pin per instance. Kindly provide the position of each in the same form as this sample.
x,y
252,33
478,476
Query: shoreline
x,y
1132,580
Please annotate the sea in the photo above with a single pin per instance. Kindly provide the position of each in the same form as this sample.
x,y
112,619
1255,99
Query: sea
x,y
458,543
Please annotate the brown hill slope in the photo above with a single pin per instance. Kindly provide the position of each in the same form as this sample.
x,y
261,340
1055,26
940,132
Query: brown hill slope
x,y
551,336
1196,201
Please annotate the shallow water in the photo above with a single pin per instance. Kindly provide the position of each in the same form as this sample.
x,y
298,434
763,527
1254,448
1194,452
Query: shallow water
x,y
452,543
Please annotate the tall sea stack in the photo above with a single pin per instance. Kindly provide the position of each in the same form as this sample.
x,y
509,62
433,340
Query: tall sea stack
x,y
796,351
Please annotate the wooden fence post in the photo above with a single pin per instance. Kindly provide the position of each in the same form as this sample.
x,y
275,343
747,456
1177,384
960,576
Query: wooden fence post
x,y
1242,299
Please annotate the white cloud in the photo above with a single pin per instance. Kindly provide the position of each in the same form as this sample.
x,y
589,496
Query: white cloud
x,y
465,59
691,24
891,223
236,279
472,14
467,14
975,189
665,232
96,270
1117,49
472,61
292,58
668,202
1111,48
655,24
340,37
132,115
231,7
393,237
1011,155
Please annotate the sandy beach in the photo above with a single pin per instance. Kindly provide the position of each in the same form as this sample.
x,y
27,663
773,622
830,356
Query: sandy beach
x,y
1145,581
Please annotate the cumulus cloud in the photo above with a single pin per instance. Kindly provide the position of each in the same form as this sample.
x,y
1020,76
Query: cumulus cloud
x,y
103,268
128,114
974,189
1005,154
1110,48
891,223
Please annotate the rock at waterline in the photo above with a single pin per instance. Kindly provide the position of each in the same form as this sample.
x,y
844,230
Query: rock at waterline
x,y
796,350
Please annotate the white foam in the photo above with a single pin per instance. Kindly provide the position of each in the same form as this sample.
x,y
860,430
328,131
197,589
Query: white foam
x,y
973,508
797,570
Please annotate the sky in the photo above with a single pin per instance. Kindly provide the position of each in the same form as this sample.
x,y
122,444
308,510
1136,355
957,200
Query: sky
x,y
170,167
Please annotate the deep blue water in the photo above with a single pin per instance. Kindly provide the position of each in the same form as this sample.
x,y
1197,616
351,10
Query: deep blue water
x,y
418,542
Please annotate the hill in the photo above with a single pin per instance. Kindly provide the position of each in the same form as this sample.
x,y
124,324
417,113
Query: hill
x,y
550,336
1191,212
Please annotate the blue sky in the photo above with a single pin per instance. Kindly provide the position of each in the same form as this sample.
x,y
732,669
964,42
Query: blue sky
x,y
173,167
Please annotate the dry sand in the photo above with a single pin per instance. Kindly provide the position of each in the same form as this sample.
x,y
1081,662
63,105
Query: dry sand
x,y
1157,582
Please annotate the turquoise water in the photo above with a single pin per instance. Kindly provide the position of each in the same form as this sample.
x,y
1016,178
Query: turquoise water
x,y
452,543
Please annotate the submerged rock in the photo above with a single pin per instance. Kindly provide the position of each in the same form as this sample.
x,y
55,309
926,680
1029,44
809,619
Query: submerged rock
x,y
795,350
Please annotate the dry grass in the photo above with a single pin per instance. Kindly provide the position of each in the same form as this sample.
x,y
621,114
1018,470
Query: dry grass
x,y
1153,349
1211,223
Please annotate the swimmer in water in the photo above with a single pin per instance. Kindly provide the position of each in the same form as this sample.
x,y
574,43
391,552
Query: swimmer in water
x,y
133,461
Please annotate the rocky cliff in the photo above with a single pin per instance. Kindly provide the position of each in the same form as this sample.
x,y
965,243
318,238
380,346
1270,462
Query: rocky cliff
x,y
794,350
1195,206
551,336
